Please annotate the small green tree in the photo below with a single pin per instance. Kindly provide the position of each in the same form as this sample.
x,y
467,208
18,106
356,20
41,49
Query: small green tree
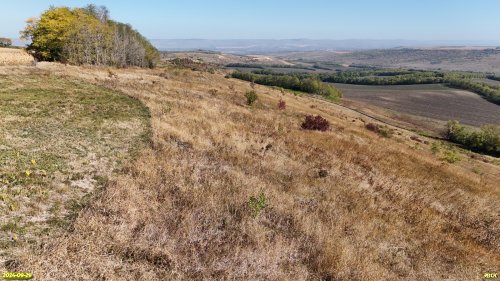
x,y
454,131
251,97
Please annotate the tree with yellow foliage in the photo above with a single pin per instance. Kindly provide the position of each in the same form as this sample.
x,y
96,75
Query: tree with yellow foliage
x,y
87,36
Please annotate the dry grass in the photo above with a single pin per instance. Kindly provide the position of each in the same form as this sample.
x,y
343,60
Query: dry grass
x,y
380,209
10,56
59,139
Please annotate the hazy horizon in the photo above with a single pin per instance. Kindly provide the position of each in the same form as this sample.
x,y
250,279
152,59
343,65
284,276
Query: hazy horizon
x,y
284,20
247,46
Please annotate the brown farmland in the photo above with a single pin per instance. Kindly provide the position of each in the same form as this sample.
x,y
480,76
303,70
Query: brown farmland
x,y
431,101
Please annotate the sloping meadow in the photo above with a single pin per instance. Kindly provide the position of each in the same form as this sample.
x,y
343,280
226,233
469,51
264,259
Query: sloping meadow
x,y
60,139
232,191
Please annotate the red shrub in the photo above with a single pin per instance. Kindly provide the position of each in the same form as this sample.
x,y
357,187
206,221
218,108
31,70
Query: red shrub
x,y
317,123
282,105
373,127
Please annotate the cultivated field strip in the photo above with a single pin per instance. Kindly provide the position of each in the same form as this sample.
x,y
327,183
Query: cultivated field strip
x,y
15,57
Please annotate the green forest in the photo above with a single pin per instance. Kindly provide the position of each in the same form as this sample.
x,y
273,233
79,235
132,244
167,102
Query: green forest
x,y
380,77
87,36
460,80
302,83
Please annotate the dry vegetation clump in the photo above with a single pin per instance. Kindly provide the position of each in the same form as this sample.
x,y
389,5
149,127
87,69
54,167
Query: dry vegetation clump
x,y
11,56
316,123
229,192
281,104
382,130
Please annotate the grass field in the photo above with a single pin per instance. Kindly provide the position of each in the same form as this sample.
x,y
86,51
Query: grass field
x,y
60,139
431,101
10,56
228,191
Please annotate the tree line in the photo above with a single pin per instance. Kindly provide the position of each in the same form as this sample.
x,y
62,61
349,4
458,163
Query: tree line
x,y
489,92
486,140
87,36
383,77
460,80
300,83
5,42
267,66
310,83
493,77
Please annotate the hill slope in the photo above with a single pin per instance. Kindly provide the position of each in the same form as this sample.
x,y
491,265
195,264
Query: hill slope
x,y
345,204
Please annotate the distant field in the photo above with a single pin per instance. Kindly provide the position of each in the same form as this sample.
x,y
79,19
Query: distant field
x,y
14,57
223,58
488,81
481,60
431,101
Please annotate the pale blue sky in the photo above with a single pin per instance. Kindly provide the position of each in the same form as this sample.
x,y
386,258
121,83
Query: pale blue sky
x,y
284,19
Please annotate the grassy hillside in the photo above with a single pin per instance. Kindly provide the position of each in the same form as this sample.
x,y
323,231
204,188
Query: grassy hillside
x,y
60,138
231,191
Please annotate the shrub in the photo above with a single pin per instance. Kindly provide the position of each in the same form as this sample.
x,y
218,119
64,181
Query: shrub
x,y
435,148
372,127
323,173
257,204
451,156
251,97
486,140
317,123
296,82
281,105
385,132
380,130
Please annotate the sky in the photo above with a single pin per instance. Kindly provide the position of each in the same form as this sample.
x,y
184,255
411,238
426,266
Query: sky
x,y
286,19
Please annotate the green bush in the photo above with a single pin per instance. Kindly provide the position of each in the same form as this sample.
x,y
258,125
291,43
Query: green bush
x,y
251,97
451,156
257,204
486,140
307,84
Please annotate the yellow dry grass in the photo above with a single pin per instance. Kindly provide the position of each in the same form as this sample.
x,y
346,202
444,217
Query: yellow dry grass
x,y
386,210
10,56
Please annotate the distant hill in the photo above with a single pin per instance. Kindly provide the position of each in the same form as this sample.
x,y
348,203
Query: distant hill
x,y
443,58
245,46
